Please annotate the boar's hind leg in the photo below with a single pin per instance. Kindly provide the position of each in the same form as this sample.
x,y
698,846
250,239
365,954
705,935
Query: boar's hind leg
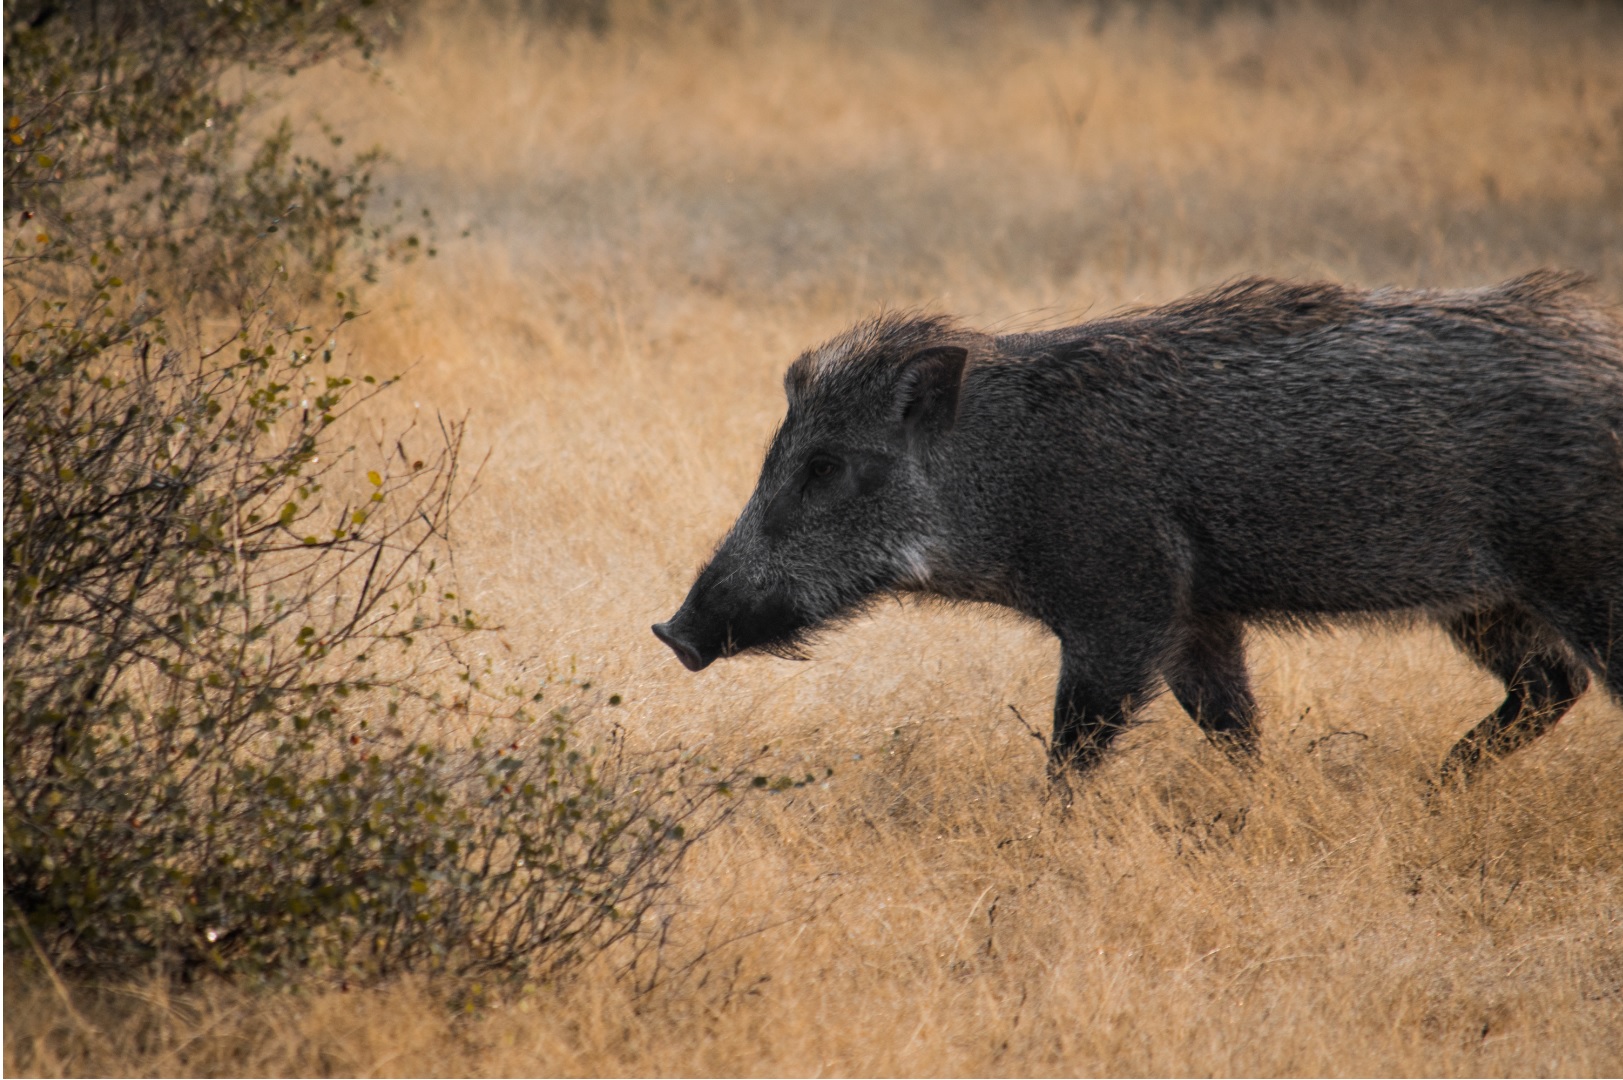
x,y
1096,699
1207,676
1594,628
1541,683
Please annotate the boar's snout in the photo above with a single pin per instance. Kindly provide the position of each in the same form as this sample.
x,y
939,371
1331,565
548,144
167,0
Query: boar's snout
x,y
725,614
686,652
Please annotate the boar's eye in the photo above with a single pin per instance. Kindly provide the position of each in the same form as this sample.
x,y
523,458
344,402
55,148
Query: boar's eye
x,y
822,468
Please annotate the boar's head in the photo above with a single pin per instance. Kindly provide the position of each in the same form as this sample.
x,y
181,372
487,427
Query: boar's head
x,y
847,504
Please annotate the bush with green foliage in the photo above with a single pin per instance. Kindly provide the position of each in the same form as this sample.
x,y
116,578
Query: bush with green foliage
x,y
238,737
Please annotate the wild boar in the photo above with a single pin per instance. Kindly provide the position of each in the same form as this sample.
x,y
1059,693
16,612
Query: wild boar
x,y
1149,484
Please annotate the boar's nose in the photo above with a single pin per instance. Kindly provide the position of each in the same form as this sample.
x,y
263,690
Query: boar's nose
x,y
690,657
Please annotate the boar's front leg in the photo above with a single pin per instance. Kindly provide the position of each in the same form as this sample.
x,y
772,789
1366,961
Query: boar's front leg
x,y
1208,677
1101,683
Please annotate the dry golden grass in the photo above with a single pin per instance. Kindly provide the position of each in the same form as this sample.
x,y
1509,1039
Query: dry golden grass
x,y
657,221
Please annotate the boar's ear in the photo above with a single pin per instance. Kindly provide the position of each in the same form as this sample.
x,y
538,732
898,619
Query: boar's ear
x,y
927,392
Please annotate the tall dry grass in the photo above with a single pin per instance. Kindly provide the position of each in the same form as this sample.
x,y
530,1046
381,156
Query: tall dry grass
x,y
642,228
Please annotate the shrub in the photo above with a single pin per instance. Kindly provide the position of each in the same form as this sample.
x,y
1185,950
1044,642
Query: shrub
x,y
230,639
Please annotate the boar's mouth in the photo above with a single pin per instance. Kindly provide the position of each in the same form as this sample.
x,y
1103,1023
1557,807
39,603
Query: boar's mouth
x,y
699,637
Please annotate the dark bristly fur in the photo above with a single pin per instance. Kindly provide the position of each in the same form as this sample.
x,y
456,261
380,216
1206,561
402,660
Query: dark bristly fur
x,y
1147,484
